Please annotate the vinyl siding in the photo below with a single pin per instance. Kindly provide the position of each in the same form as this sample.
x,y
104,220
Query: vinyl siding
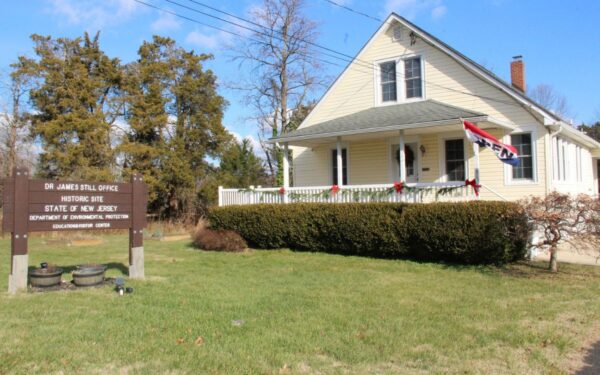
x,y
311,166
446,81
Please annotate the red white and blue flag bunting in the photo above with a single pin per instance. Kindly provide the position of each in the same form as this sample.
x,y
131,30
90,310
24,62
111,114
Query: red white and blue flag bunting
x,y
506,153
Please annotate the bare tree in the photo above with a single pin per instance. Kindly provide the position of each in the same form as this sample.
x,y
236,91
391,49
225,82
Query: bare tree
x,y
564,218
548,97
283,70
15,146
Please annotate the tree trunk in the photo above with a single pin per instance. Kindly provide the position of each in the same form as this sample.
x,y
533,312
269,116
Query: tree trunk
x,y
553,267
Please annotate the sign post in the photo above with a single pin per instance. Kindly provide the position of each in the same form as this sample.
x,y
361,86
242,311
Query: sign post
x,y
136,232
47,205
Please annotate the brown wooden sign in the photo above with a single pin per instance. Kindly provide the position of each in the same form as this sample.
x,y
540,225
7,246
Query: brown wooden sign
x,y
47,205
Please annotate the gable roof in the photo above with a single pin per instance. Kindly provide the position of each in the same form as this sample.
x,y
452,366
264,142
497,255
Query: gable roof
x,y
474,67
383,118
549,118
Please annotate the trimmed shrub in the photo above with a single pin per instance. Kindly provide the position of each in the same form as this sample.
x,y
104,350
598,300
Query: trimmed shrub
x,y
469,233
217,240
353,229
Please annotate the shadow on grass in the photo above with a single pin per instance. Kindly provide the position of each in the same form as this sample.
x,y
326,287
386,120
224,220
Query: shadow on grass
x,y
591,361
525,269
109,266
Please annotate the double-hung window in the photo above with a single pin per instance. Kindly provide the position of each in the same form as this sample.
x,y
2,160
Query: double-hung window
x,y
388,82
412,78
455,160
408,87
523,143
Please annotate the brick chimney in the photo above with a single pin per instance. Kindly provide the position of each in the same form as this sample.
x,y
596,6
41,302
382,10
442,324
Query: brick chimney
x,y
517,73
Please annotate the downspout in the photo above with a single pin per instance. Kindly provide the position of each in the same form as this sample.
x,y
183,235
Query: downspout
x,y
549,156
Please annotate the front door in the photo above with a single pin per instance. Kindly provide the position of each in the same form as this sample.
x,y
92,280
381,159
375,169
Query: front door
x,y
411,158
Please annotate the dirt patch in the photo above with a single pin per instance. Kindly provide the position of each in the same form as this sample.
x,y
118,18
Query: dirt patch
x,y
77,242
586,361
87,242
57,242
178,237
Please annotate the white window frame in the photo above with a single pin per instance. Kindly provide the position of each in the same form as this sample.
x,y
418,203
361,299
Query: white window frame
x,y
442,157
508,173
400,79
330,158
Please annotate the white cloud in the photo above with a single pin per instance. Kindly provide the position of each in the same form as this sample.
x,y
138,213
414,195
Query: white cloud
x,y
166,22
94,14
220,39
208,40
438,12
410,9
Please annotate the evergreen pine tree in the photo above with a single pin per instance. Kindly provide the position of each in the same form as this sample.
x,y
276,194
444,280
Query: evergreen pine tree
x,y
75,103
175,117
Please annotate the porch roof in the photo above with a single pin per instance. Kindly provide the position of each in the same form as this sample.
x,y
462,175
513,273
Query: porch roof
x,y
424,113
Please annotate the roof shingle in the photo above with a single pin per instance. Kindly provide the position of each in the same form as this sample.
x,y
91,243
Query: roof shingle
x,y
425,111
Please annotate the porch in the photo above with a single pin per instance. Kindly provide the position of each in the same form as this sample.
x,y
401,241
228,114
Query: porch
x,y
416,152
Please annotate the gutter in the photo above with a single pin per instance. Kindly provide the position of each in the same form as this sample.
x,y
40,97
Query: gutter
x,y
580,136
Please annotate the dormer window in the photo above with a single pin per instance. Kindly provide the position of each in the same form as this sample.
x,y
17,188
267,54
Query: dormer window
x,y
400,80
388,82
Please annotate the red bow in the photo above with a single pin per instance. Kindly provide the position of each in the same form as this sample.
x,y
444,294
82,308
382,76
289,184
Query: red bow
x,y
335,189
474,184
398,186
282,190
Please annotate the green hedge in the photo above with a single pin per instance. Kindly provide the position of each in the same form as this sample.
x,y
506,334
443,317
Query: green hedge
x,y
470,233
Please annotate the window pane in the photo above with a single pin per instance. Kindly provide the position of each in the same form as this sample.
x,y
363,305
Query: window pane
x,y
412,78
388,92
388,71
523,144
456,171
455,160
388,81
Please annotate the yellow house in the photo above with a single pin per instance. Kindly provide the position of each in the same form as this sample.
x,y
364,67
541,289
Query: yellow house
x,y
403,97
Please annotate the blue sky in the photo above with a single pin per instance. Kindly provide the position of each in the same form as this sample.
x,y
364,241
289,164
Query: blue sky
x,y
560,40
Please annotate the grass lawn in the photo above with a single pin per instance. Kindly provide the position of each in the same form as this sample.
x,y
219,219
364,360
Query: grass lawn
x,y
302,313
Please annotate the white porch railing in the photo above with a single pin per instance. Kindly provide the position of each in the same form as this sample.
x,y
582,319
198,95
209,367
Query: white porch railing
x,y
411,193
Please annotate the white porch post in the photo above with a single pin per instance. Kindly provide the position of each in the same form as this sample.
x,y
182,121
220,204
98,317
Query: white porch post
x,y
402,157
476,155
286,172
340,164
